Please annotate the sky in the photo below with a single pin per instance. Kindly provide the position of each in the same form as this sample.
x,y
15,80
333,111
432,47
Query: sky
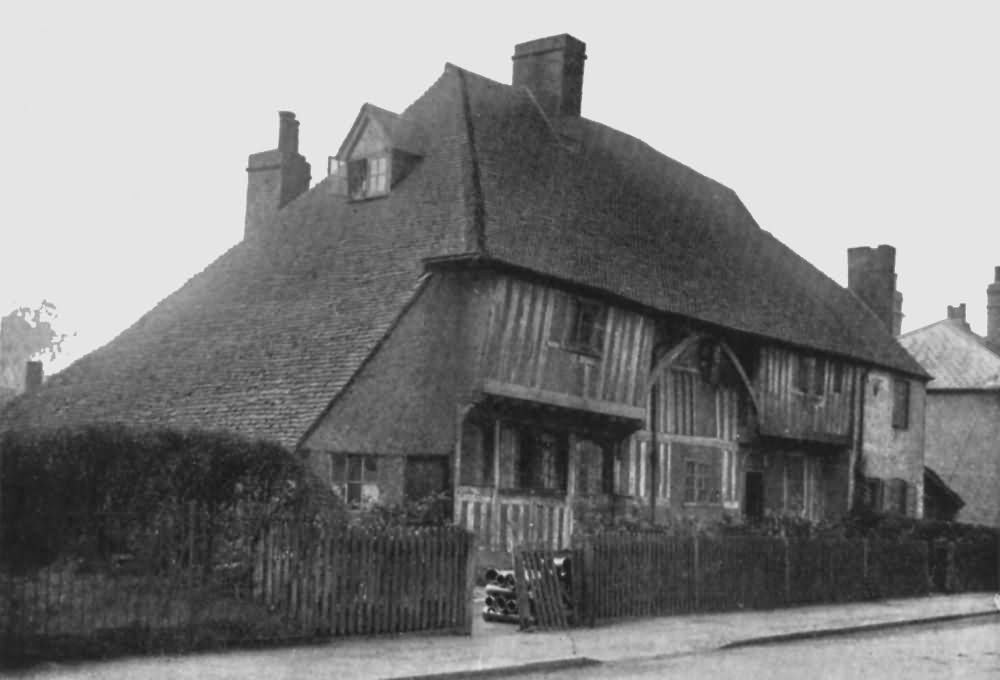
x,y
127,125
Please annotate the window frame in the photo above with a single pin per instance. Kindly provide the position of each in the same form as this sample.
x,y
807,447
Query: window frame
x,y
345,483
579,311
364,175
697,482
900,404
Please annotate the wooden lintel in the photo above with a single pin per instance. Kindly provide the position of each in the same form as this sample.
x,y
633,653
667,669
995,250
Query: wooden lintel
x,y
501,389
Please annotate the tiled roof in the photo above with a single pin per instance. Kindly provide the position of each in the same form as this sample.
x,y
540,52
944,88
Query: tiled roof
x,y
956,357
264,338
600,208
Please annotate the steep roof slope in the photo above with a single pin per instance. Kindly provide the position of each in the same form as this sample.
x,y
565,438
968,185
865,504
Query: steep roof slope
x,y
592,205
264,337
955,356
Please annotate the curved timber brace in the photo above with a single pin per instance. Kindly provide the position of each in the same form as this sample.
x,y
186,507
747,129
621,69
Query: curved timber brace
x,y
675,352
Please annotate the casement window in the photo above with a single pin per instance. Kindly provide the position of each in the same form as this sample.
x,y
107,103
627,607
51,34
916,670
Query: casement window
x,y
836,377
900,403
595,470
700,484
895,496
585,330
810,375
368,177
355,477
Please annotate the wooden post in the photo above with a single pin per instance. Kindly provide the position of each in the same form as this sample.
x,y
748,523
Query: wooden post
x,y
470,582
788,571
697,574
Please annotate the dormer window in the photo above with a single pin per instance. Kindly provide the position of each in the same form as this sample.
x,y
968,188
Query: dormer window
x,y
372,160
368,177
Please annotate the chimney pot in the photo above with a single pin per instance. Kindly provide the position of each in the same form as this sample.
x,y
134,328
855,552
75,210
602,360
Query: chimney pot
x,y
275,177
33,375
552,69
288,132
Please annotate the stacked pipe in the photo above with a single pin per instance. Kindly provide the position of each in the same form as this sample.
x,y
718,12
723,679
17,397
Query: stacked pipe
x,y
501,596
501,591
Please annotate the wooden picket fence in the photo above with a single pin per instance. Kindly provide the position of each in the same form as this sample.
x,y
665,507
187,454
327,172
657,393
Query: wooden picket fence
x,y
353,581
182,583
619,575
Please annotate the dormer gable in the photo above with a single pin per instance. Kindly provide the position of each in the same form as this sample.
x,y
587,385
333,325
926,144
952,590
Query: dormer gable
x,y
373,157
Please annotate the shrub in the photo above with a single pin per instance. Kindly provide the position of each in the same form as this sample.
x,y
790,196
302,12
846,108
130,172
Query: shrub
x,y
99,488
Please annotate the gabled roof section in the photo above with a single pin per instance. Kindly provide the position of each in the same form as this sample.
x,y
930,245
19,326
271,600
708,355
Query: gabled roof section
x,y
597,207
389,128
956,357
263,339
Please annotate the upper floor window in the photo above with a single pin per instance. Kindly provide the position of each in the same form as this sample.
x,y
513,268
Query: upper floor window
x,y
585,332
368,177
900,403
810,375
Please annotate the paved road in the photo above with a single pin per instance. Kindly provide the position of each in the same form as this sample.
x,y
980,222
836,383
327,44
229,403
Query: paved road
x,y
958,650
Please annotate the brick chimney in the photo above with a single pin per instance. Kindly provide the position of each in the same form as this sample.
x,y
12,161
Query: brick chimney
x,y
957,314
275,177
993,312
552,68
871,275
33,374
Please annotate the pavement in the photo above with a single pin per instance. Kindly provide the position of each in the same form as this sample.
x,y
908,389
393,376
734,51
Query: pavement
x,y
499,650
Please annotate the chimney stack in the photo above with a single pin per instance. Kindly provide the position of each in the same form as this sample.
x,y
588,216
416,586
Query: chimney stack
x,y
958,314
993,312
32,376
552,68
275,177
871,275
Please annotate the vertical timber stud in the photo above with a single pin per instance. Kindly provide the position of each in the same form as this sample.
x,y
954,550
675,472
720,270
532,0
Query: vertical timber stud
x,y
567,528
461,411
496,543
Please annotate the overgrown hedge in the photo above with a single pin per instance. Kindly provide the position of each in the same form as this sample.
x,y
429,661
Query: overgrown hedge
x,y
56,484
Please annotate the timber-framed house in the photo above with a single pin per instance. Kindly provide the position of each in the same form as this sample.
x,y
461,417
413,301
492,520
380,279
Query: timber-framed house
x,y
492,295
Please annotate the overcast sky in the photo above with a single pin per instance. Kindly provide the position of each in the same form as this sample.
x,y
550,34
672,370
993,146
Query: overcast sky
x,y
127,125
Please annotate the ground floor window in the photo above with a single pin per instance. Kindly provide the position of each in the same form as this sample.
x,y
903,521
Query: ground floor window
x,y
698,483
595,467
355,477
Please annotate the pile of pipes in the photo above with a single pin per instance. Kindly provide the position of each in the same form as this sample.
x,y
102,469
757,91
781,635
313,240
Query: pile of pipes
x,y
501,596
501,591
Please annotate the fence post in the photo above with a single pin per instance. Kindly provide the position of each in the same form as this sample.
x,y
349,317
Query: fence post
x,y
697,574
470,581
788,570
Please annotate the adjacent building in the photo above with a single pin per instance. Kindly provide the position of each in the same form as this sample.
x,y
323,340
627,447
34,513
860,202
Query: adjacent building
x,y
491,295
963,410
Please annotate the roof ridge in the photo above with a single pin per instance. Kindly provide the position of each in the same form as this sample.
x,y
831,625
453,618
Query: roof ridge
x,y
473,186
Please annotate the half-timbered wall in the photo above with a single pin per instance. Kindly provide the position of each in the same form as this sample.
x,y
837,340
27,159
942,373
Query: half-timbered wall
x,y
804,396
529,351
